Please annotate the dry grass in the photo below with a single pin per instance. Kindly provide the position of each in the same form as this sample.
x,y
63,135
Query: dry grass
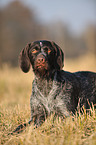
x,y
15,90
83,63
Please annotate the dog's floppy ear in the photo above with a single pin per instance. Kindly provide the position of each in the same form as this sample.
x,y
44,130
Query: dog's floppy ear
x,y
59,58
24,59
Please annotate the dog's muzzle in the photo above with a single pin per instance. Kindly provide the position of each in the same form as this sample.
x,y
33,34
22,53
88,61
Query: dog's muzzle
x,y
41,64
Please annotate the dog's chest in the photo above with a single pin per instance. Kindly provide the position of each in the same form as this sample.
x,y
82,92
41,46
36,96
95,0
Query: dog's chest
x,y
51,96
51,100
44,87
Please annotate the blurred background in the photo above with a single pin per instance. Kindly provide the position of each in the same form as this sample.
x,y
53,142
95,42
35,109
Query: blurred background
x,y
71,24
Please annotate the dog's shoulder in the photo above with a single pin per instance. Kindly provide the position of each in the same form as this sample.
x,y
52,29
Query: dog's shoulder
x,y
86,76
81,79
76,76
66,76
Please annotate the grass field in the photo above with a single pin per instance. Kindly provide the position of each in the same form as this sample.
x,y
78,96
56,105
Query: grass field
x,y
15,91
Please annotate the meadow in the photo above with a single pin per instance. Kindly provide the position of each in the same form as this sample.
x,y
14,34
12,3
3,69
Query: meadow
x,y
15,91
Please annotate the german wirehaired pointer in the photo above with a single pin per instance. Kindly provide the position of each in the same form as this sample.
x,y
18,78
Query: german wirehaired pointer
x,y
54,91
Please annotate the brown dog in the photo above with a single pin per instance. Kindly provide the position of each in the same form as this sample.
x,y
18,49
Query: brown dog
x,y
54,90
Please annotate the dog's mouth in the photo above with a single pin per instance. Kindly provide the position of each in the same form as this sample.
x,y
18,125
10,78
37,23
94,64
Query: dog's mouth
x,y
41,69
41,66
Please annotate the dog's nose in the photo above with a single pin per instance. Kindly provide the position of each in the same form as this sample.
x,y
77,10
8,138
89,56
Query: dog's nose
x,y
40,60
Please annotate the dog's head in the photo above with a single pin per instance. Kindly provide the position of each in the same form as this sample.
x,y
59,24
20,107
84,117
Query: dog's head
x,y
44,56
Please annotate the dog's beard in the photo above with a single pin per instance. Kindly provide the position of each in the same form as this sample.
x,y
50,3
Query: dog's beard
x,y
41,70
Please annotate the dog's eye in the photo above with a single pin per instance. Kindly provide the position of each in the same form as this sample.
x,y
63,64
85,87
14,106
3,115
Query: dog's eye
x,y
34,51
47,50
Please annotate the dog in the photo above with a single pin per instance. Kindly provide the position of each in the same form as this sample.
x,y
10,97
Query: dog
x,y
54,91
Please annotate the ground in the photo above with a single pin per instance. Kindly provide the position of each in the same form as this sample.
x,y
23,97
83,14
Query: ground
x,y
15,91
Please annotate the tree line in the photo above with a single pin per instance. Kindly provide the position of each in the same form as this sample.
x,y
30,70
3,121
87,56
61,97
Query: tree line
x,y
19,25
